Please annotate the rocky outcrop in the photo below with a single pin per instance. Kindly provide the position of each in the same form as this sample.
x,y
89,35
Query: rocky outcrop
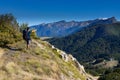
x,y
68,58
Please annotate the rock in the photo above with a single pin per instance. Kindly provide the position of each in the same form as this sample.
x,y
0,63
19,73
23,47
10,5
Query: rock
x,y
64,56
53,47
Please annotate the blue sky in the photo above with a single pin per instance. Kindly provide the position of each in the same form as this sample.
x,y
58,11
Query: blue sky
x,y
44,11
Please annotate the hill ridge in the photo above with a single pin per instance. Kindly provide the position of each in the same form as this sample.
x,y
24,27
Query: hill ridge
x,y
34,62
65,28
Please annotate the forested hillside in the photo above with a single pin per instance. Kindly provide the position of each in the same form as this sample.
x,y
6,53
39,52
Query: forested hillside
x,y
94,42
95,46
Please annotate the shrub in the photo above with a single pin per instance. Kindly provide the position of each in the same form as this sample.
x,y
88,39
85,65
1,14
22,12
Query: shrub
x,y
9,30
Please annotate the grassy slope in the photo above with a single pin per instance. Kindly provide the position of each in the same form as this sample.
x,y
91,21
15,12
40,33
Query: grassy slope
x,y
40,62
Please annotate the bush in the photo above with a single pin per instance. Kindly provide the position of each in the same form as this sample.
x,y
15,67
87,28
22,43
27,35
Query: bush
x,y
34,36
94,73
9,30
110,76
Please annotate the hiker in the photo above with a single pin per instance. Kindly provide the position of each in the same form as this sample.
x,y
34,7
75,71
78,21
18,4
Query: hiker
x,y
26,35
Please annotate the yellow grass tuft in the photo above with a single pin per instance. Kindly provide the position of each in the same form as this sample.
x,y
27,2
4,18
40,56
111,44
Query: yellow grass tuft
x,y
1,52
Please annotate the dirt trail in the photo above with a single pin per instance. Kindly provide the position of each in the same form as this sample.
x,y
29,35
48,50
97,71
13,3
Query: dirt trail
x,y
38,44
1,52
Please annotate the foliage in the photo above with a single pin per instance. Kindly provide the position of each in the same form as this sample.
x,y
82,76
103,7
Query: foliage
x,y
111,75
94,73
9,30
23,26
34,36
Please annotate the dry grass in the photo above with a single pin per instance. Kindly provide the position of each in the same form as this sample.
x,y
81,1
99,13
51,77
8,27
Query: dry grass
x,y
40,62
107,64
1,52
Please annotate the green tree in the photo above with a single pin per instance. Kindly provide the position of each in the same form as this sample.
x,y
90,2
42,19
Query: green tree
x,y
111,76
9,30
23,26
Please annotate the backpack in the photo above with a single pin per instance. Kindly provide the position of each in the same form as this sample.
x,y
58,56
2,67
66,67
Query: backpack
x,y
24,34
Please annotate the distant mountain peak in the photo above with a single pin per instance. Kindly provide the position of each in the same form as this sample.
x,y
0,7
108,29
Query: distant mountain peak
x,y
62,21
113,19
64,28
105,18
102,18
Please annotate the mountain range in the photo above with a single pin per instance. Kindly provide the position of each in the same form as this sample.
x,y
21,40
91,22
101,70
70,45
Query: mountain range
x,y
95,46
64,28
93,42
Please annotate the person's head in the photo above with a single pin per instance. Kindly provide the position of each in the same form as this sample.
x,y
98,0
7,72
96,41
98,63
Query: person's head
x,y
28,28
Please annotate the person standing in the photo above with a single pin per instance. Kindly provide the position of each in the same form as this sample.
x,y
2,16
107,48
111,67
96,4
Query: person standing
x,y
26,35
